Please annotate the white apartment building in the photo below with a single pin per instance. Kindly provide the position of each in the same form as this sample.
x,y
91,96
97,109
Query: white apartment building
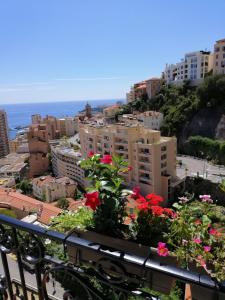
x,y
148,119
65,162
194,67
152,157
151,119
219,57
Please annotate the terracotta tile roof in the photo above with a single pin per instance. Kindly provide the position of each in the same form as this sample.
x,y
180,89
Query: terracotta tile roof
x,y
74,204
16,200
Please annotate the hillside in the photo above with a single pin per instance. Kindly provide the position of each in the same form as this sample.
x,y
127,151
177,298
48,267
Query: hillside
x,y
188,111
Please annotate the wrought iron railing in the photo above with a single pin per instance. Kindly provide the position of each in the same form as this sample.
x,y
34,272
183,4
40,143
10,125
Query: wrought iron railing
x,y
28,272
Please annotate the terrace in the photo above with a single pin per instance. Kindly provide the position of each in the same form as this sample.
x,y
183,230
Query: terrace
x,y
50,278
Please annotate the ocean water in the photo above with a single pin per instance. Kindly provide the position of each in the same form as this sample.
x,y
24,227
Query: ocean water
x,y
20,114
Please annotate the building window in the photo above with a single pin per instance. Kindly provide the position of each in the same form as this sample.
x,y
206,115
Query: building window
x,y
223,48
217,63
217,49
224,55
217,56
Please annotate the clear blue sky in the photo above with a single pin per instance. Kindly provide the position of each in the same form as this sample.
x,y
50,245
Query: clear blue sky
x,y
53,50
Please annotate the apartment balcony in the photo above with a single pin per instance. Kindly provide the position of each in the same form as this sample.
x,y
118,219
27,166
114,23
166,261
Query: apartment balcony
x,y
143,161
30,272
121,142
121,149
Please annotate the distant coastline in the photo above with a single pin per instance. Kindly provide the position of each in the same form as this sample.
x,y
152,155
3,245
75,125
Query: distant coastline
x,y
19,115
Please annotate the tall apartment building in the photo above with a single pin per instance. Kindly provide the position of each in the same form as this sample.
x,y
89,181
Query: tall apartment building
x,y
152,156
4,139
153,86
219,57
194,67
149,87
38,148
65,163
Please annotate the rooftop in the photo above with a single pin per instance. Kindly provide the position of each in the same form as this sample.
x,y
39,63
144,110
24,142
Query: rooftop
x,y
45,180
24,203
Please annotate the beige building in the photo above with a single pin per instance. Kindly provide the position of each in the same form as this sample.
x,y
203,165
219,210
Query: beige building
x,y
65,162
219,57
19,145
153,86
4,139
50,189
38,149
152,157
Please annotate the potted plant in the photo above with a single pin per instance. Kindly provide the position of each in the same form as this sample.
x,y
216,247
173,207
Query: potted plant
x,y
198,241
113,228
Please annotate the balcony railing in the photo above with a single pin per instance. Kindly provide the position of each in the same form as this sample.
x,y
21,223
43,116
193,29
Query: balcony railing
x,y
30,273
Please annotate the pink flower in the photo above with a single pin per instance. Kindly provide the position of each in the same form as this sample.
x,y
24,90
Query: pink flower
x,y
201,261
130,168
90,154
197,241
207,248
162,250
92,200
107,159
206,198
197,222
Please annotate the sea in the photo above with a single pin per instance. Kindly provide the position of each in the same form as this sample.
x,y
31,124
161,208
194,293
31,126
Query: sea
x,y
20,114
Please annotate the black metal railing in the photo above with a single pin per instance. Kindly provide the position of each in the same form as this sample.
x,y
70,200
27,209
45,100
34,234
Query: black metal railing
x,y
29,272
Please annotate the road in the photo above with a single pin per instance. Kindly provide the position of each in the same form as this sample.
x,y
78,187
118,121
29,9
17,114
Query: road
x,y
55,291
194,167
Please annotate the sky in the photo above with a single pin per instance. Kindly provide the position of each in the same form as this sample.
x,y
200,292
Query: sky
x,y
62,50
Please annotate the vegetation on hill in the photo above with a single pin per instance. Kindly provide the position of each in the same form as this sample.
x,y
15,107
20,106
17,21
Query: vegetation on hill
x,y
180,103
203,147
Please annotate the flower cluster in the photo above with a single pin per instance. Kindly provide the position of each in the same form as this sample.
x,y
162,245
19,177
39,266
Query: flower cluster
x,y
151,204
152,220
196,236
106,195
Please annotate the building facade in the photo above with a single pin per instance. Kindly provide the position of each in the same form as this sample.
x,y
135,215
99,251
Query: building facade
x,y
152,157
219,57
153,86
4,138
150,119
38,148
51,189
193,67
14,165
65,162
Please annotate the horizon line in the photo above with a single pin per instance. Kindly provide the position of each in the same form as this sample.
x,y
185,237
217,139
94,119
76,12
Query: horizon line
x,y
52,101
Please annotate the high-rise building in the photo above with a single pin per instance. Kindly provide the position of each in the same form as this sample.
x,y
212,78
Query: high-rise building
x,y
38,148
4,139
219,57
194,67
152,157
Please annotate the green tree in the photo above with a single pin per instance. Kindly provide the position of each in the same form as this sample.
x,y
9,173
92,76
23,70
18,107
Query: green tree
x,y
25,186
63,203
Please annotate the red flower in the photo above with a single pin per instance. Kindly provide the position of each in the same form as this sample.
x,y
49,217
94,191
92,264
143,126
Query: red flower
x,y
154,199
107,159
162,250
168,212
143,204
130,168
132,217
92,200
90,154
157,210
136,192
